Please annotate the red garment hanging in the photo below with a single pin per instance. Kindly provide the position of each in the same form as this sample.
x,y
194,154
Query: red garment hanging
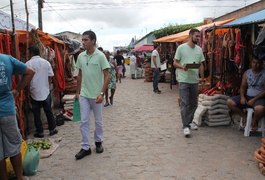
x,y
238,46
59,72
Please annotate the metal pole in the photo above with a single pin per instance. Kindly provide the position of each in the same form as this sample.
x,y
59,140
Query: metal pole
x,y
212,55
40,6
27,35
13,30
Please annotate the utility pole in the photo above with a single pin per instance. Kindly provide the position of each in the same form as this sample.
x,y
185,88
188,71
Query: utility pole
x,y
13,30
40,6
27,35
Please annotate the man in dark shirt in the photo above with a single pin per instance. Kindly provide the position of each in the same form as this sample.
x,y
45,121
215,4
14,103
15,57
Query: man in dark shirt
x,y
120,65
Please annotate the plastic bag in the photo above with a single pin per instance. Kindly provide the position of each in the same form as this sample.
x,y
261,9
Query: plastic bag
x,y
9,166
31,161
76,115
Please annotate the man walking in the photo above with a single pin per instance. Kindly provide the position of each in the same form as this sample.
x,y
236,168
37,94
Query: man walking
x,y
92,81
120,65
40,91
10,137
188,78
155,65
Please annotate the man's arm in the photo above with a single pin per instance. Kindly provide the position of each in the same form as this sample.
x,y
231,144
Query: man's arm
x,y
243,88
153,58
79,80
201,70
176,64
26,78
253,100
106,79
105,85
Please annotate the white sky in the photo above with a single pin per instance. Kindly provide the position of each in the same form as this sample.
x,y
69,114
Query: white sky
x,y
116,22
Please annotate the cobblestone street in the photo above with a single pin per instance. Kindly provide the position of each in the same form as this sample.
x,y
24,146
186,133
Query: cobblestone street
x,y
143,140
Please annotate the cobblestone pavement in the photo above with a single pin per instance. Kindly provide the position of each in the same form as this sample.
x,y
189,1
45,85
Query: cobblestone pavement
x,y
144,140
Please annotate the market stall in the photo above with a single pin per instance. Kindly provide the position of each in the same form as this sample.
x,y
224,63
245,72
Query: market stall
x,y
51,49
170,43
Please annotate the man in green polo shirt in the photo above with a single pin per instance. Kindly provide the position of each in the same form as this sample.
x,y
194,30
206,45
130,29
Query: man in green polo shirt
x,y
188,78
92,81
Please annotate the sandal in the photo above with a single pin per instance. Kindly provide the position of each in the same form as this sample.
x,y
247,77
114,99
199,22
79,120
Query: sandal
x,y
107,104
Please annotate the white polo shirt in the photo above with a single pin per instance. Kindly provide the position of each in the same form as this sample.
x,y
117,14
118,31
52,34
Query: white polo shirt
x,y
39,85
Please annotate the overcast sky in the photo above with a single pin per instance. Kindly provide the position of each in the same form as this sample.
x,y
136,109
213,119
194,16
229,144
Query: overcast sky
x,y
116,22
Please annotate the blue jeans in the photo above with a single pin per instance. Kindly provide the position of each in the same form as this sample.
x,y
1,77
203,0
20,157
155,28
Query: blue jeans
x,y
86,105
156,78
36,107
188,95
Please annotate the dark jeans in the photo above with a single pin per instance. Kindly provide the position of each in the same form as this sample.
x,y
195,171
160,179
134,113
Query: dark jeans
x,y
36,109
188,94
156,78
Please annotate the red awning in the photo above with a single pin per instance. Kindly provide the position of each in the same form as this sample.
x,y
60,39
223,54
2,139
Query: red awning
x,y
144,48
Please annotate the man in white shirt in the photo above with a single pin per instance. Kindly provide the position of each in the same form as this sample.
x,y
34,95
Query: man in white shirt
x,y
155,65
133,66
40,91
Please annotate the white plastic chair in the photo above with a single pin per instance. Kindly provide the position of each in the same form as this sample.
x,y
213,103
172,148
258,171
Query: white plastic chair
x,y
249,121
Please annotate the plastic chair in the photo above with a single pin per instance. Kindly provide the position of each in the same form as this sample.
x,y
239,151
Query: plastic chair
x,y
249,121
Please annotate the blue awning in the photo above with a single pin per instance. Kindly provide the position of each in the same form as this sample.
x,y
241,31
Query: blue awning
x,y
254,18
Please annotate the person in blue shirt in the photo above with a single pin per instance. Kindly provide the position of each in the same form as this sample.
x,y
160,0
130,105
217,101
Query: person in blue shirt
x,y
10,137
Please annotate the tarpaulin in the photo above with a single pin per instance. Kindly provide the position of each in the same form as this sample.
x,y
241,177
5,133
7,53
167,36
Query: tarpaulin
x,y
144,48
45,38
257,17
183,36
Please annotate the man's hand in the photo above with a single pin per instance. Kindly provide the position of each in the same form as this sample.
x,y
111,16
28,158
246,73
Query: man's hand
x,y
251,102
77,96
184,67
15,92
243,100
99,99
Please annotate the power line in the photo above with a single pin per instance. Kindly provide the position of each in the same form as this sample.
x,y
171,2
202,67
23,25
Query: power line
x,y
60,15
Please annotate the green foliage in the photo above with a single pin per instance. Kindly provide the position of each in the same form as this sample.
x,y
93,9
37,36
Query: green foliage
x,y
173,29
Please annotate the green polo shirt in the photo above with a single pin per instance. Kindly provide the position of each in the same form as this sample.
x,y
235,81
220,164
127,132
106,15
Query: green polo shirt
x,y
92,67
186,55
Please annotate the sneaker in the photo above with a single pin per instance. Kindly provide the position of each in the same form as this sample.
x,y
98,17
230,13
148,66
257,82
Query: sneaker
x,y
186,132
38,135
53,132
193,126
82,153
99,147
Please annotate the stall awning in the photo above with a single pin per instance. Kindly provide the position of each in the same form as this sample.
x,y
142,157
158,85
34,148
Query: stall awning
x,y
183,36
257,17
45,38
144,48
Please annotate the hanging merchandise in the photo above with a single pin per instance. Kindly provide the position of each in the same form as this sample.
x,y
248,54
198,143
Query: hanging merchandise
x,y
259,46
238,47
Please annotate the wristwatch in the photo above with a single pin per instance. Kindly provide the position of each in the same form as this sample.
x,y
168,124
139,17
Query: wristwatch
x,y
102,93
